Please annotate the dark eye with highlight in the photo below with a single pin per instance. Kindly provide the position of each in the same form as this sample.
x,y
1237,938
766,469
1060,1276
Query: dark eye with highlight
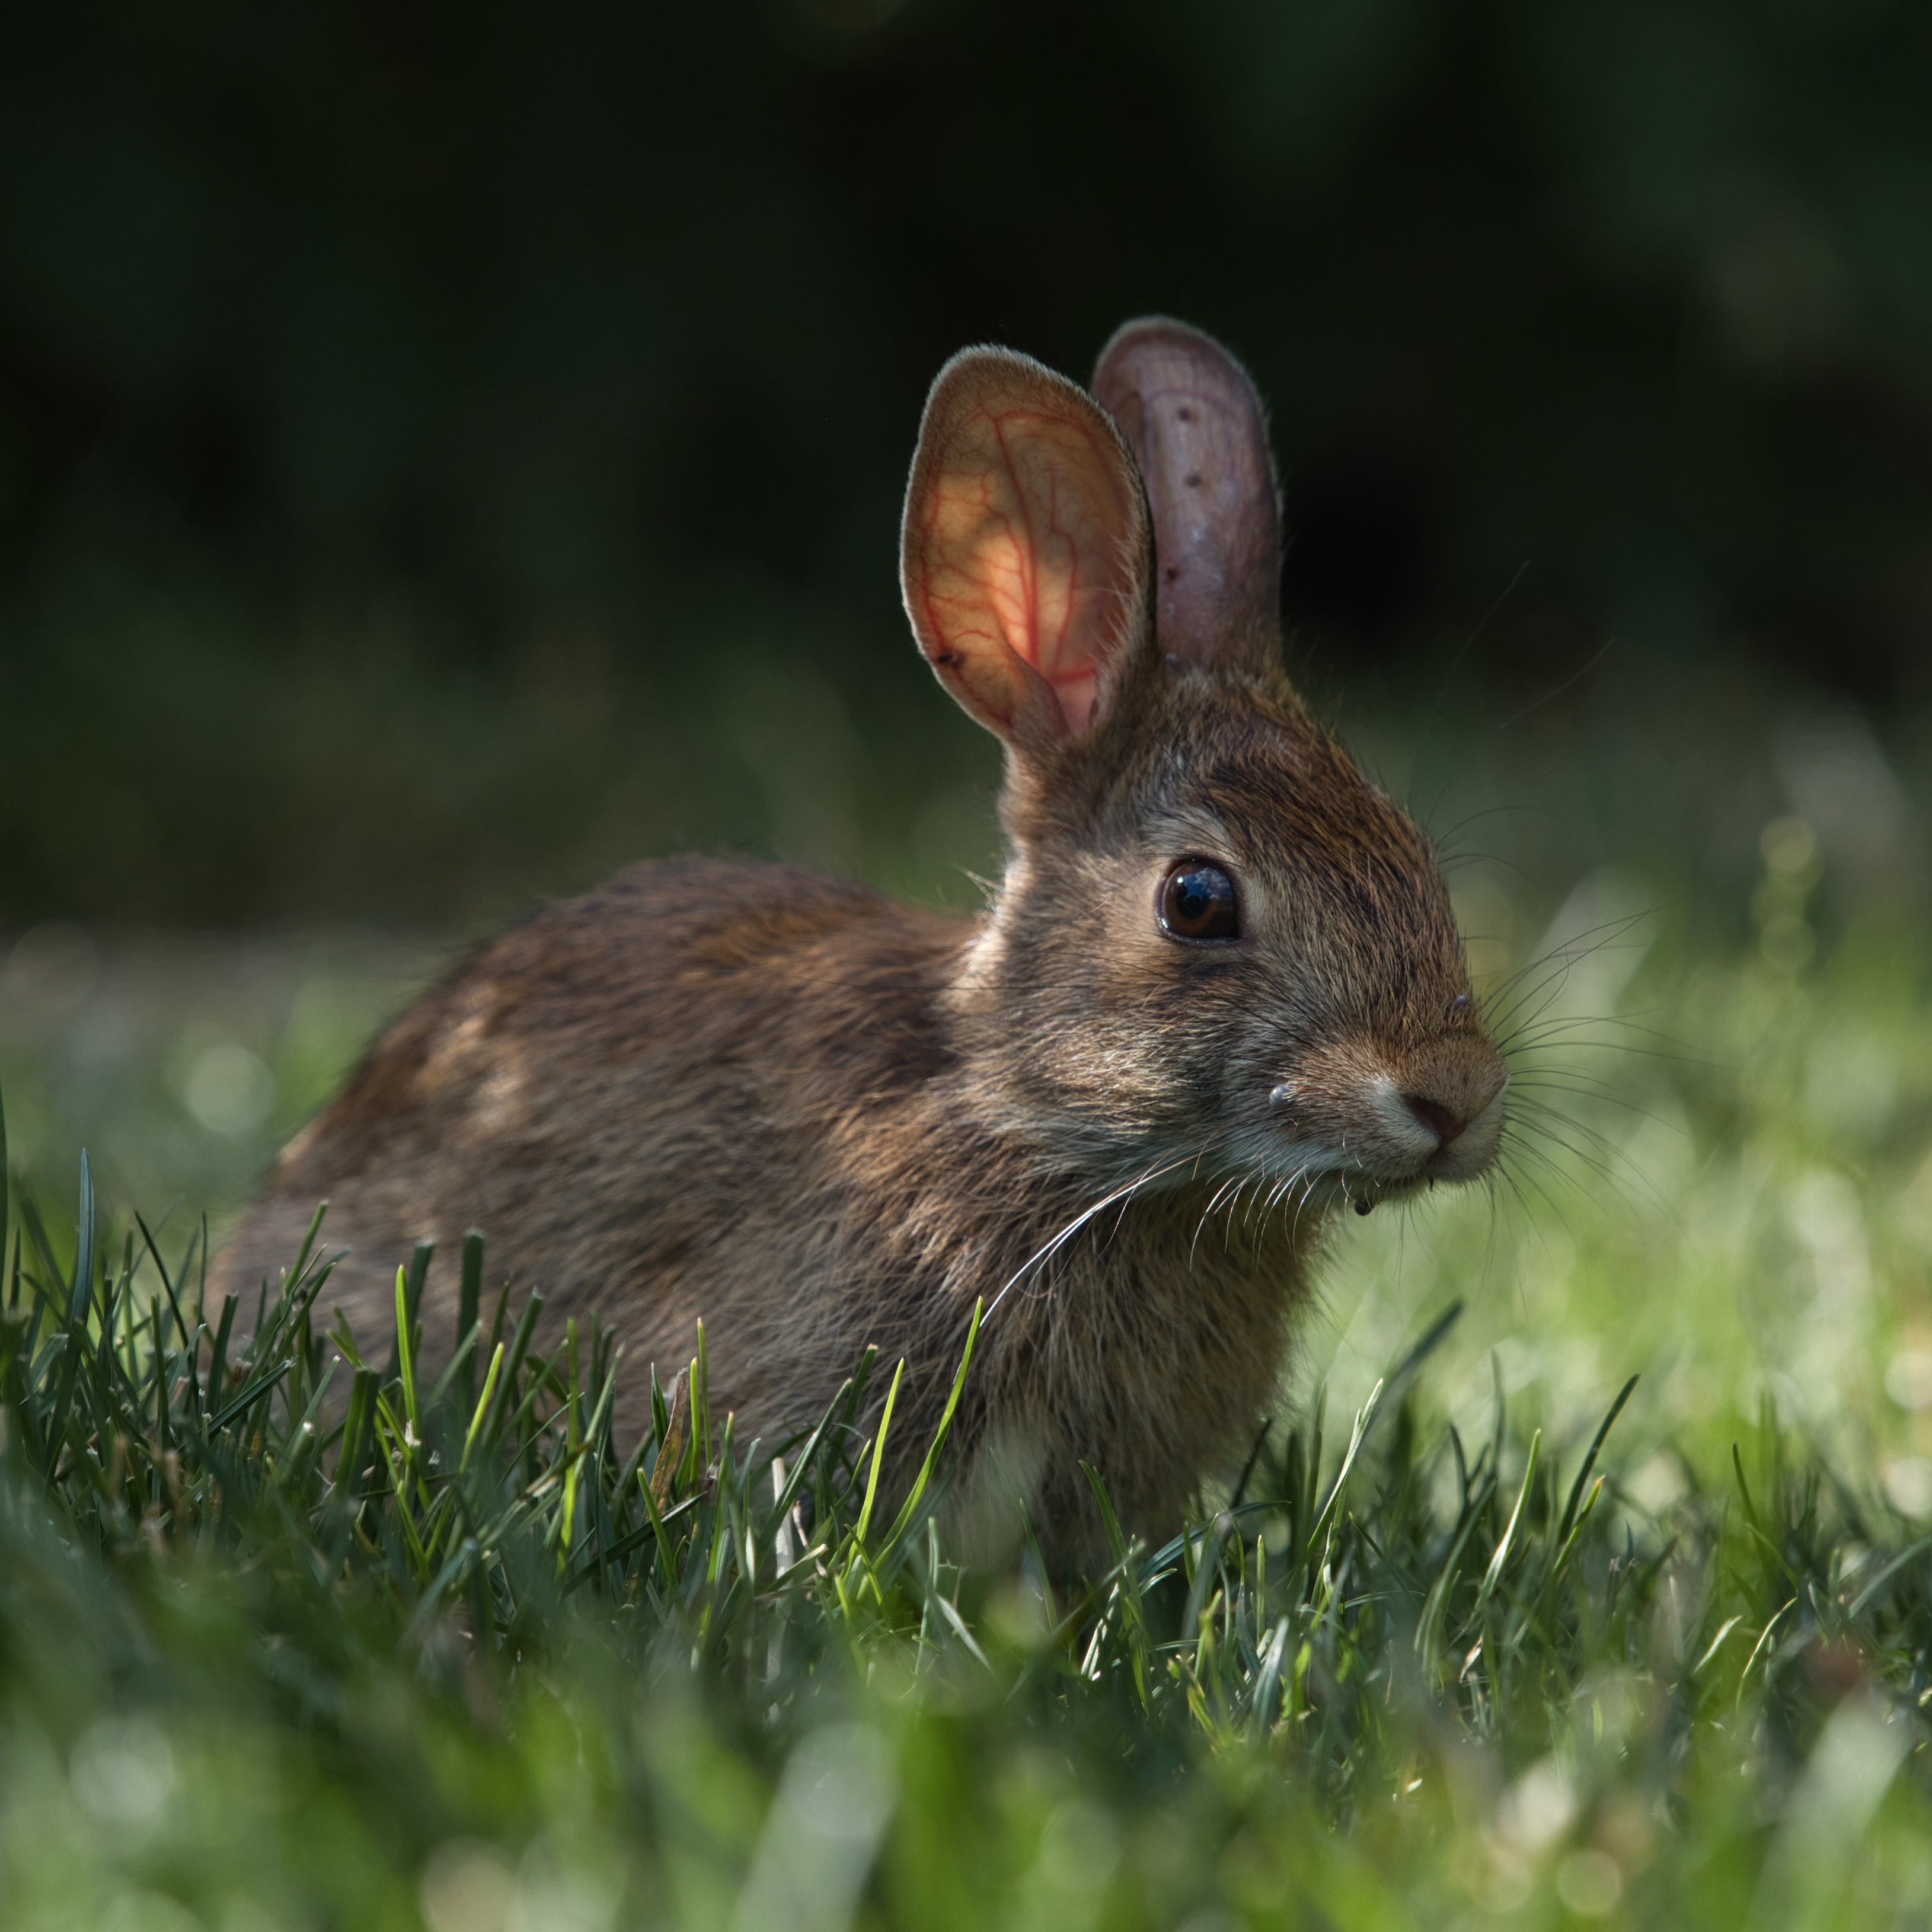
x,y
1197,902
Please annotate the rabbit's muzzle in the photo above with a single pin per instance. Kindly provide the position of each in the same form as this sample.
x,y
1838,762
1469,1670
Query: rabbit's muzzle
x,y
1388,1121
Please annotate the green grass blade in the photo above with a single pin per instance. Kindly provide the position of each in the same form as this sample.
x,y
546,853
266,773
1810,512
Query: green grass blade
x,y
905,1517
1589,1461
1364,1420
449,1384
1866,1597
248,1396
469,1303
83,1284
1133,1609
351,1459
1435,1604
406,1355
878,1456
300,1265
520,1348
482,1408
700,1405
218,1363
77,1340
1493,1575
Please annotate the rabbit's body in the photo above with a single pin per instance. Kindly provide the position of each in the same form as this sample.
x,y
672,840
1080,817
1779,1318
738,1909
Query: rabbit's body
x,y
737,1093
1219,991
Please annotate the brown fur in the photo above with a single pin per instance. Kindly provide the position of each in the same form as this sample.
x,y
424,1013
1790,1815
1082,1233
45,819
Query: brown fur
x,y
818,1119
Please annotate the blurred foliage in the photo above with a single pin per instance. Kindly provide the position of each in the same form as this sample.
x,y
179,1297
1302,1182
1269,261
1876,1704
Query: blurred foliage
x,y
444,453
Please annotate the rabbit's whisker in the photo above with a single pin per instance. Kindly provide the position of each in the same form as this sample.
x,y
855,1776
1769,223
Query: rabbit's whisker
x,y
1206,1214
1121,1194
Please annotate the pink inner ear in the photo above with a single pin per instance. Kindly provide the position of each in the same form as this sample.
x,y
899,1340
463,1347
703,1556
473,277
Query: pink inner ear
x,y
1023,551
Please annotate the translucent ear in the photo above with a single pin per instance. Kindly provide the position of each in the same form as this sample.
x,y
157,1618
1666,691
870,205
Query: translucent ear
x,y
1194,422
1024,551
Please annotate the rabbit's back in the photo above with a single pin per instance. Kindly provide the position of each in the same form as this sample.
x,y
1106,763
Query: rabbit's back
x,y
635,1095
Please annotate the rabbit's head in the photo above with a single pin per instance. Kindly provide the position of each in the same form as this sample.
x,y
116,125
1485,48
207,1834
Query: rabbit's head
x,y
1218,949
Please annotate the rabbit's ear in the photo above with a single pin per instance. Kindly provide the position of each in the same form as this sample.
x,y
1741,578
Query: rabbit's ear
x,y
1191,418
1024,552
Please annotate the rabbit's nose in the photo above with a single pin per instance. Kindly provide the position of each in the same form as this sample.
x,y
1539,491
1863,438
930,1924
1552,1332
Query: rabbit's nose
x,y
1446,1123
1448,1096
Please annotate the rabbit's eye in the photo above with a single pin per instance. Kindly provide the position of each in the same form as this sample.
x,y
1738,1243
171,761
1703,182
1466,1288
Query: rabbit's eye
x,y
1197,902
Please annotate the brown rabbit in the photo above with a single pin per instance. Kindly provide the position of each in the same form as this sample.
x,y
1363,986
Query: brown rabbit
x,y
1218,993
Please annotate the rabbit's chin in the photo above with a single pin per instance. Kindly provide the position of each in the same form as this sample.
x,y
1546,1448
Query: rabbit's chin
x,y
1351,1188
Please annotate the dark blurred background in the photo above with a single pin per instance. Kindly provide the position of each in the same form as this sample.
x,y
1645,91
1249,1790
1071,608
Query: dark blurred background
x,y
446,451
